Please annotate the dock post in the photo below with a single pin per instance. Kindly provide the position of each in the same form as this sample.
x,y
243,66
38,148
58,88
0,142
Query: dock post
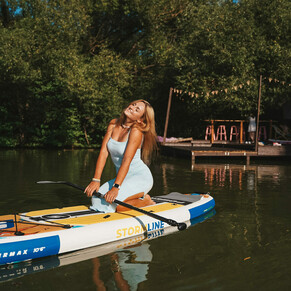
x,y
212,132
258,114
241,131
192,157
168,114
248,160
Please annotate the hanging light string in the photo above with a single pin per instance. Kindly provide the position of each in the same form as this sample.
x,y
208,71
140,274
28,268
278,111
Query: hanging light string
x,y
226,90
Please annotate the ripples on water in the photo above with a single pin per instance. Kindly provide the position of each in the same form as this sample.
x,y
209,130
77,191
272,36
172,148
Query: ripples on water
x,y
245,245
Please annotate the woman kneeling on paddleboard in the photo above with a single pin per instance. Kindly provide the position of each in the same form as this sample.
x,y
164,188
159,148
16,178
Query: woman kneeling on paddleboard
x,y
130,140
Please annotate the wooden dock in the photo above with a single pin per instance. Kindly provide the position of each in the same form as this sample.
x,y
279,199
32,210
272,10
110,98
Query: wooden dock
x,y
204,149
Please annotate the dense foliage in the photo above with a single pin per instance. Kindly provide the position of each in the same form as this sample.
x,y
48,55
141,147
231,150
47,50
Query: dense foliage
x,y
68,67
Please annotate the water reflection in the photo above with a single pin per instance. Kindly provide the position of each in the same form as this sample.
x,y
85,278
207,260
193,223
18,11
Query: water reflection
x,y
128,268
250,199
231,175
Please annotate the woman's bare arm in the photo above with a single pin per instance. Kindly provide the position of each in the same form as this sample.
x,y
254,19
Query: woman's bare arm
x,y
101,161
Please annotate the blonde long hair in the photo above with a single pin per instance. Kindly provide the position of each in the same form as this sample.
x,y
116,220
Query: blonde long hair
x,y
147,127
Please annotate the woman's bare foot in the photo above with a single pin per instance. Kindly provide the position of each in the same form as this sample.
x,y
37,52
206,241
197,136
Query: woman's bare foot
x,y
137,202
149,200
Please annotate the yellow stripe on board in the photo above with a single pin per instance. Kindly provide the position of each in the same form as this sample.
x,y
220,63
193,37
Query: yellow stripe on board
x,y
56,210
100,217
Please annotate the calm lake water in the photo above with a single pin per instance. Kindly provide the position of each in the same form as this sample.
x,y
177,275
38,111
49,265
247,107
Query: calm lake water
x,y
244,245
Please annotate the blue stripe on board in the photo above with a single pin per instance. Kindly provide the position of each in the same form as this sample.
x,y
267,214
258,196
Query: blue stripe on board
x,y
199,210
29,249
203,217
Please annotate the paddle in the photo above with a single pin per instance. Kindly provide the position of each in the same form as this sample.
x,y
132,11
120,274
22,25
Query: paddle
x,y
180,226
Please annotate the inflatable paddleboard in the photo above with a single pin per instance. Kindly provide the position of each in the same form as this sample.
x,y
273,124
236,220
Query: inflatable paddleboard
x,y
10,272
43,233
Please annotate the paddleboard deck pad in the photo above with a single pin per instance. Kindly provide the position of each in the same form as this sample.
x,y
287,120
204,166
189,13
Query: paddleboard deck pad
x,y
42,233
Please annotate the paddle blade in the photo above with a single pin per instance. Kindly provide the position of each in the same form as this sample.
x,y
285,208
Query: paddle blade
x,y
50,182
61,182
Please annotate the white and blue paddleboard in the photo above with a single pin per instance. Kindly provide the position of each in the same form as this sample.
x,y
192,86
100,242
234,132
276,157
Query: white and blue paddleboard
x,y
43,233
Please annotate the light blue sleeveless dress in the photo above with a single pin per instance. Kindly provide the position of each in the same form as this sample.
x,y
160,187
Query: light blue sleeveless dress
x,y
138,179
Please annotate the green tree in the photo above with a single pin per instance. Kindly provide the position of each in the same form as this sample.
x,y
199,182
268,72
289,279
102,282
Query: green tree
x,y
67,68
54,89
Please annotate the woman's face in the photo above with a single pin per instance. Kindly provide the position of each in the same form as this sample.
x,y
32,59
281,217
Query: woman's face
x,y
135,111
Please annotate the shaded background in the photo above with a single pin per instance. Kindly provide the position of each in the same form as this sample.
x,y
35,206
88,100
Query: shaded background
x,y
67,68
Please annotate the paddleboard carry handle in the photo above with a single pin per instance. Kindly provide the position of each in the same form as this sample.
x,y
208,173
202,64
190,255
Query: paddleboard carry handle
x,y
179,225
